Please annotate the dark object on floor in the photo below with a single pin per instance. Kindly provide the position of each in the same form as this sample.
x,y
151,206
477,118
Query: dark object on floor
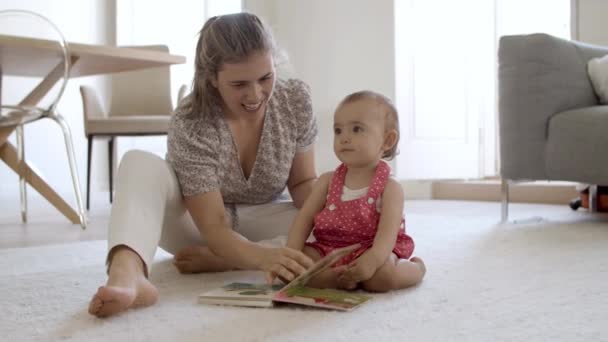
x,y
583,200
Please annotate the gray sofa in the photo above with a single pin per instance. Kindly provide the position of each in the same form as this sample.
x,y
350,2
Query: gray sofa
x,y
551,125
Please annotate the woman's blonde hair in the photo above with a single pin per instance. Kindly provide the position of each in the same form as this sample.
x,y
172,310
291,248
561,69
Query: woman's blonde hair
x,y
391,116
229,38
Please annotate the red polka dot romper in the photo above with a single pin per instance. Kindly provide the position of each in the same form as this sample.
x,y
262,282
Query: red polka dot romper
x,y
341,224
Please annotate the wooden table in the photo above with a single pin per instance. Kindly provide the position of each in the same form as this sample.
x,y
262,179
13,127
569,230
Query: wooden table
x,y
21,56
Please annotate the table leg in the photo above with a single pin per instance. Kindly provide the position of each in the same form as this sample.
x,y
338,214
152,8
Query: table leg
x,y
4,133
8,153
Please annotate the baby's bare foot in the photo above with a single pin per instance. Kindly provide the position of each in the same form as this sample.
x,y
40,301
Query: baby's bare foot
x,y
420,263
197,259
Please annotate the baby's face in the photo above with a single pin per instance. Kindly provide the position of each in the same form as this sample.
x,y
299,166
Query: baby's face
x,y
359,132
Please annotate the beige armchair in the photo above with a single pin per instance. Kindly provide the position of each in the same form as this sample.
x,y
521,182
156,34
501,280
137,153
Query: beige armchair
x,y
140,104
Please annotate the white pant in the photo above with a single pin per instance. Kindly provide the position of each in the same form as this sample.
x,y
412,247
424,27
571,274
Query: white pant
x,y
149,212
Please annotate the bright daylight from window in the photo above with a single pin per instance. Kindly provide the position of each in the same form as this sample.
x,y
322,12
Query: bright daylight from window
x,y
446,79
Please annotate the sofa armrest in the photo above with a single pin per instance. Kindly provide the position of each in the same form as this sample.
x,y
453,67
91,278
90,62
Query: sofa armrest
x,y
538,76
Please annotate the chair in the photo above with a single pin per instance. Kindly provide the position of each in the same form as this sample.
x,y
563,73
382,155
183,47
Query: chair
x,y
41,102
140,104
551,124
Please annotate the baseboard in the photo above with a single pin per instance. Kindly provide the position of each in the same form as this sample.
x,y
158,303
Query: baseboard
x,y
417,189
489,190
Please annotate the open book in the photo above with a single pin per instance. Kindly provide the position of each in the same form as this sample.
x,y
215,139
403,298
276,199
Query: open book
x,y
295,292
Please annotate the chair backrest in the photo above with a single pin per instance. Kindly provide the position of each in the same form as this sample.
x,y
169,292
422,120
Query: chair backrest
x,y
32,46
142,92
91,108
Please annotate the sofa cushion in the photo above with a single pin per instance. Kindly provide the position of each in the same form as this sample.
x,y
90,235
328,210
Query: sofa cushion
x,y
598,73
577,142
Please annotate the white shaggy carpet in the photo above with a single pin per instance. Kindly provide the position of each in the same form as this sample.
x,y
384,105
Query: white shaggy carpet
x,y
519,282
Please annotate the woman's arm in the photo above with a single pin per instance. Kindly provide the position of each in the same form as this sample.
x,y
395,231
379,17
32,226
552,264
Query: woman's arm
x,y
303,222
209,215
302,176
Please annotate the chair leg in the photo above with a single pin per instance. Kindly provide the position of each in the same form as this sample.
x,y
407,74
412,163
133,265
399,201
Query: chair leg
x,y
89,156
504,189
22,183
592,198
111,165
69,146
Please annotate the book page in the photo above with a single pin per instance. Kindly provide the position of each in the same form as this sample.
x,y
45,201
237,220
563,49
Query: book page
x,y
243,291
321,265
321,298
260,294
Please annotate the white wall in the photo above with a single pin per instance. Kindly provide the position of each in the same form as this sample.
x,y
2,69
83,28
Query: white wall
x,y
84,21
592,23
337,47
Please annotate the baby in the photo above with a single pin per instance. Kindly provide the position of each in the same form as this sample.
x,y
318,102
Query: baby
x,y
360,203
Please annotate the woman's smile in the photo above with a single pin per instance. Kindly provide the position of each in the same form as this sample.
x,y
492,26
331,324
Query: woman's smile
x,y
252,107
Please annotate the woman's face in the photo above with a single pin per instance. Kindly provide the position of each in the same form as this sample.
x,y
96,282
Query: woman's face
x,y
245,87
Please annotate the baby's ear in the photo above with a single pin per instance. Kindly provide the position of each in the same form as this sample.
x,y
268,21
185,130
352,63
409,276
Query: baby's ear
x,y
390,139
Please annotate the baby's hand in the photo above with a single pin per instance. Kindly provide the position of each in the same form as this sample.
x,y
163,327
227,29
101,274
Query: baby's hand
x,y
359,270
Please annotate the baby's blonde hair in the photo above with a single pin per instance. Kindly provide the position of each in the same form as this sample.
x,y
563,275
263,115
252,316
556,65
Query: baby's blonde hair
x,y
391,117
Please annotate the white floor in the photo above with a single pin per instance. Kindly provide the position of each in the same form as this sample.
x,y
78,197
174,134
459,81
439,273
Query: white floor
x,y
541,279
47,226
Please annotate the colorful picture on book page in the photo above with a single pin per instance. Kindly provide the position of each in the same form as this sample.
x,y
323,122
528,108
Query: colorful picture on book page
x,y
323,298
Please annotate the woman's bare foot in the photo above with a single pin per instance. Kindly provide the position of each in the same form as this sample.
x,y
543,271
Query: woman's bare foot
x,y
127,286
197,259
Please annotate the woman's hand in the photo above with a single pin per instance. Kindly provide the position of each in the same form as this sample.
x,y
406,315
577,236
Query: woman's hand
x,y
284,262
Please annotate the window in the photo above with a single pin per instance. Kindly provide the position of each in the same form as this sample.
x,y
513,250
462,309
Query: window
x,y
446,79
144,22
177,24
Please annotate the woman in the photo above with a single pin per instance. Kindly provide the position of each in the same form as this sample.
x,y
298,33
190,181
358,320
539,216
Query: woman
x,y
234,144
